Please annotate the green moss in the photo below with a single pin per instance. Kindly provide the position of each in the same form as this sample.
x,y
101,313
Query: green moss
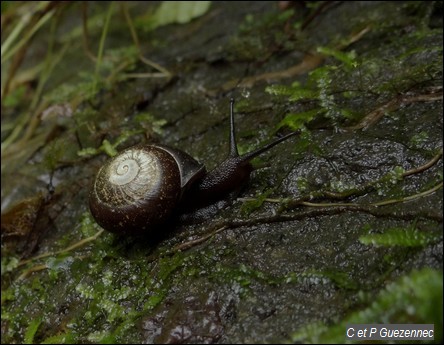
x,y
242,276
419,139
389,183
339,186
63,338
147,120
107,147
32,295
338,278
415,298
347,58
342,90
55,151
303,184
299,120
9,263
405,237
252,205
31,331
295,91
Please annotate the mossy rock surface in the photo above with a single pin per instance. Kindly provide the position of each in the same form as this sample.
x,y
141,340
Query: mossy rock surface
x,y
341,224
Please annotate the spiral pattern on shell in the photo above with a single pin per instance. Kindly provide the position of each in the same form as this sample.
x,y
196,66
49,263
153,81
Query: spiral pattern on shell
x,y
136,190
126,169
128,178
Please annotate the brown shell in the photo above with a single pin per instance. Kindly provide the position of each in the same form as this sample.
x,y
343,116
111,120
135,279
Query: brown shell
x,y
138,189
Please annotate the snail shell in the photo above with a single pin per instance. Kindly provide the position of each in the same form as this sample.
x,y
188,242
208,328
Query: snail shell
x,y
139,188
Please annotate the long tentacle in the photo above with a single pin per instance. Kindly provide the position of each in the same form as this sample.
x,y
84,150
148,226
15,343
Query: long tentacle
x,y
250,155
233,145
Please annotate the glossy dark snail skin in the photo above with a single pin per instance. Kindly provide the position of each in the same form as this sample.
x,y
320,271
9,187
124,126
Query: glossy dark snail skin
x,y
140,188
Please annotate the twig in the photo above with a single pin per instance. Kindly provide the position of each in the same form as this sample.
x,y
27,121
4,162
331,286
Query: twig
x,y
192,243
423,167
394,104
411,197
65,250
164,71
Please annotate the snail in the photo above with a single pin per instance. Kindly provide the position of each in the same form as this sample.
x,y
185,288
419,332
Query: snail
x,y
145,185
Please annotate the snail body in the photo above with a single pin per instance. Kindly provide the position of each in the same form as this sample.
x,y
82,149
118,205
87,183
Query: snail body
x,y
140,188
